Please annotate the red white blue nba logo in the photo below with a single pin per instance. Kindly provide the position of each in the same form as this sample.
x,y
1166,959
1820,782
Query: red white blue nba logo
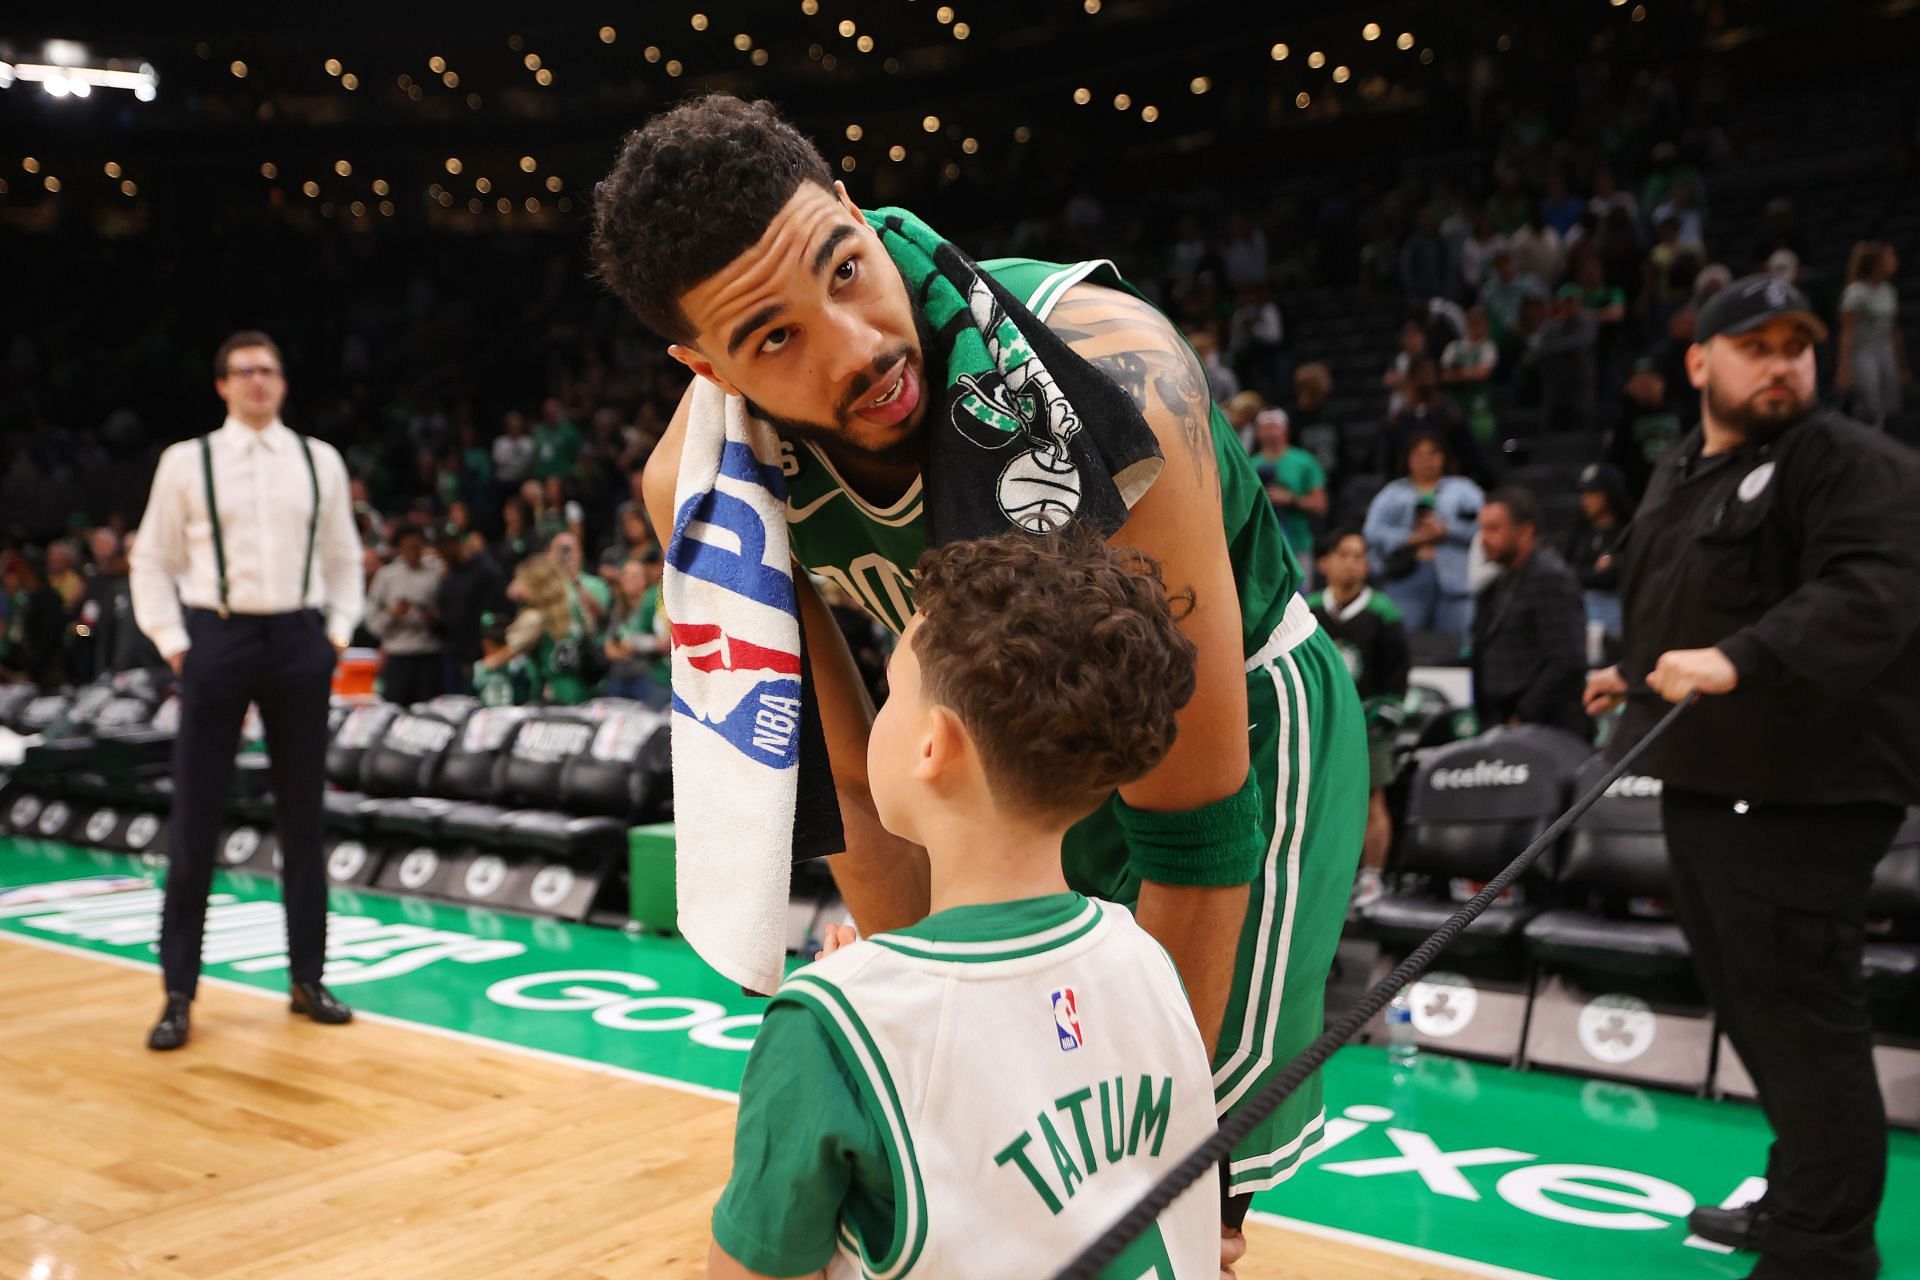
x,y
1066,1019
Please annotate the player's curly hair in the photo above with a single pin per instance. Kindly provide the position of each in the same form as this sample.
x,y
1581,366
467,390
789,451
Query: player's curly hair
x,y
1061,656
692,190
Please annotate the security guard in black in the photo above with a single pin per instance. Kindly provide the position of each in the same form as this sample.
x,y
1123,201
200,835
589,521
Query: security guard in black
x,y
1774,567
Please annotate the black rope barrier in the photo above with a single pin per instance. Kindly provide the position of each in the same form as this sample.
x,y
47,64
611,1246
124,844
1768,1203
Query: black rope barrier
x,y
1203,1158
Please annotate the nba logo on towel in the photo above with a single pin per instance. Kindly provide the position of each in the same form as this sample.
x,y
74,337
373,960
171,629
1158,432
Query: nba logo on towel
x,y
1066,1019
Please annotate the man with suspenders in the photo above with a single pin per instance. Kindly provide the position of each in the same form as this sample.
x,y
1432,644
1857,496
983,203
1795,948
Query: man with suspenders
x,y
250,528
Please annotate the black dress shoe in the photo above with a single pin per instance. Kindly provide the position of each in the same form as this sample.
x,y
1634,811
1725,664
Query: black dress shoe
x,y
171,1031
1736,1228
318,1003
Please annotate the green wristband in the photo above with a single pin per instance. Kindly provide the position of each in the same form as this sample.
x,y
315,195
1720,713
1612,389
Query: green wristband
x,y
1216,845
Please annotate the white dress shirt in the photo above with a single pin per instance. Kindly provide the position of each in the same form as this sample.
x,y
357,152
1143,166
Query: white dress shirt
x,y
265,494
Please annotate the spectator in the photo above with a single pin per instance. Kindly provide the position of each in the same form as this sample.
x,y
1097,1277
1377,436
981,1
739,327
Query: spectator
x,y
1189,254
471,588
1648,424
1591,544
556,442
1312,384
64,576
1240,412
637,642
516,539
1501,296
632,539
367,521
118,644
1295,484
1777,232
1466,370
1681,208
512,454
1529,628
1609,200
403,613
1399,375
1605,303
591,591
508,682
1873,352
33,646
635,501
1426,261
1367,628
1254,336
1537,250
1476,253
1418,530
1245,254
1508,206
549,632
1428,410
1222,383
1560,209
1562,356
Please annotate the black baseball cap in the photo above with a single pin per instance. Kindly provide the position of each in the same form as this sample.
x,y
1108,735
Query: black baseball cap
x,y
1752,301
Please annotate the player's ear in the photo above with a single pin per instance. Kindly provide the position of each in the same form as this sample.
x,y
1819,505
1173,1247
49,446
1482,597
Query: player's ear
x,y
943,746
701,366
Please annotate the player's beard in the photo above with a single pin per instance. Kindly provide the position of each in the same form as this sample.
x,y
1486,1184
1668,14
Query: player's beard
x,y
1757,419
910,449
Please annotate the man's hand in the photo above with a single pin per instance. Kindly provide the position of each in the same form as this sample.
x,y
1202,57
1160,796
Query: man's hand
x,y
1279,495
400,608
834,937
177,661
1605,691
1233,1247
1683,671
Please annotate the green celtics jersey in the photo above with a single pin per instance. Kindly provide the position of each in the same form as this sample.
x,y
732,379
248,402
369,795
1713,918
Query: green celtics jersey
x,y
870,551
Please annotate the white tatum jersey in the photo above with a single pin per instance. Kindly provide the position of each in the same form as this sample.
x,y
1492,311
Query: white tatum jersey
x,y
1031,1089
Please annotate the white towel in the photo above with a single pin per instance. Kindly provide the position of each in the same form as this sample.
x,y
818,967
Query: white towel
x,y
736,691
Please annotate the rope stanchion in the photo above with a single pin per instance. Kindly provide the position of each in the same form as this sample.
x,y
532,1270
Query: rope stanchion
x,y
1202,1159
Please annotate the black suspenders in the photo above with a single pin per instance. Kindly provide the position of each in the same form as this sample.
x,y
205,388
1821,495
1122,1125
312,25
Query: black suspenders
x,y
213,515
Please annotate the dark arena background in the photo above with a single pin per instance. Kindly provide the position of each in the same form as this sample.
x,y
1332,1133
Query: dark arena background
x,y
1495,224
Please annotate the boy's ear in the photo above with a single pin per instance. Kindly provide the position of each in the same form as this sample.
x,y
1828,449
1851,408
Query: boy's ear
x,y
943,746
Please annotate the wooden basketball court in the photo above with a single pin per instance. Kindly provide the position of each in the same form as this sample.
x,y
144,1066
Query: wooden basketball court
x,y
273,1149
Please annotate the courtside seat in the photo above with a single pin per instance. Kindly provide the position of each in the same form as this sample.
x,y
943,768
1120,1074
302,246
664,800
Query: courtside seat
x,y
13,700
462,810
581,840
398,773
1472,807
1892,970
345,803
361,728
1614,883
619,774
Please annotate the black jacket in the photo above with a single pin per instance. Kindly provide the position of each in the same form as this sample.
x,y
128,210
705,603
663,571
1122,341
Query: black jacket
x,y
473,588
1800,560
1530,646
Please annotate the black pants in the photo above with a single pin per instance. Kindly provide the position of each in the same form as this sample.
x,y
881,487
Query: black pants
x,y
1774,902
407,678
283,663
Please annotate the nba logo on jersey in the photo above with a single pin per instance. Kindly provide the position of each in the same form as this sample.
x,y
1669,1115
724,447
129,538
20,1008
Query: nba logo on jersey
x,y
1066,1019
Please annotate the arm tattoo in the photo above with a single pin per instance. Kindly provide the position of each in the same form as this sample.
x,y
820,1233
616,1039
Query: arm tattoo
x,y
1137,348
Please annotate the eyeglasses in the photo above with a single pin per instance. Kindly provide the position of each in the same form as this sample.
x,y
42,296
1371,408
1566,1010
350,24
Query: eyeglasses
x,y
253,371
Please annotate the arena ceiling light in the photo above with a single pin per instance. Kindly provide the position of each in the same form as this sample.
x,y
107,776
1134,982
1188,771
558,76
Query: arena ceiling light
x,y
65,68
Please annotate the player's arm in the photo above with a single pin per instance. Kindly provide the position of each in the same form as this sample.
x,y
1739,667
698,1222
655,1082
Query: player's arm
x,y
883,878
1178,522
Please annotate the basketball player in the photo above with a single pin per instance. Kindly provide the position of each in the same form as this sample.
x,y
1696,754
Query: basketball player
x,y
982,1093
723,229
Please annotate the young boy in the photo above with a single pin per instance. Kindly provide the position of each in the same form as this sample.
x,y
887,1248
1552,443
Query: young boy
x,y
984,1092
